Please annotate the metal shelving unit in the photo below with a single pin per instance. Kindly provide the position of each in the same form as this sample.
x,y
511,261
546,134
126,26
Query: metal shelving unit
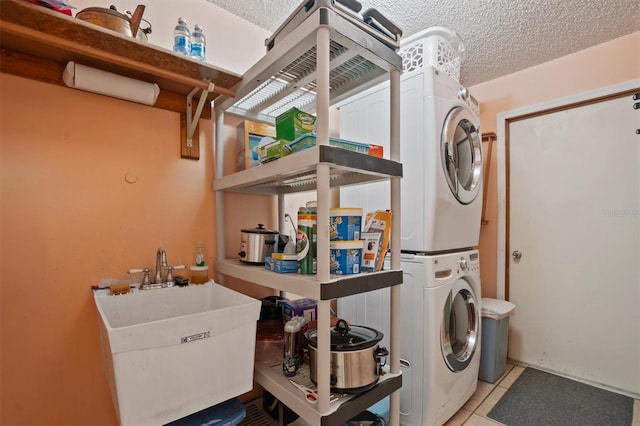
x,y
323,60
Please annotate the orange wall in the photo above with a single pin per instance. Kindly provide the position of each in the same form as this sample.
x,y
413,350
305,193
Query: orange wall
x,y
69,219
599,66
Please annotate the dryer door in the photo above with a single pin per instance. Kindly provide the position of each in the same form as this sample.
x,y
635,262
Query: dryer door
x,y
460,326
461,152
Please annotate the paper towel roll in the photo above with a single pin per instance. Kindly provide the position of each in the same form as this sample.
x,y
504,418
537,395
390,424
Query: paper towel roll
x,y
106,83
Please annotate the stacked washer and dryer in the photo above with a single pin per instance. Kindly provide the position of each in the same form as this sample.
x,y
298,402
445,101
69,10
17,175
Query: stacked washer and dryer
x,y
441,152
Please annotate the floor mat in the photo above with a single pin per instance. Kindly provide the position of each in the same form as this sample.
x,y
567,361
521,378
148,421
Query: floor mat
x,y
539,398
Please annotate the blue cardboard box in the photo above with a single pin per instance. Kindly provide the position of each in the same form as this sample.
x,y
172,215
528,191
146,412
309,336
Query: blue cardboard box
x,y
281,266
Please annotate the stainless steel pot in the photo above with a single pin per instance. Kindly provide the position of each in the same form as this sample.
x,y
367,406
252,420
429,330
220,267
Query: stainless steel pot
x,y
256,244
356,357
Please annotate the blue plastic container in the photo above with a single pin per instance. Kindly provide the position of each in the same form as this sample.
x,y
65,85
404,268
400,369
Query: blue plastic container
x,y
228,413
345,223
345,257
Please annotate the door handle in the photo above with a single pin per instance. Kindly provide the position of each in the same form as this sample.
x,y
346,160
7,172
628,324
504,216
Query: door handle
x,y
517,255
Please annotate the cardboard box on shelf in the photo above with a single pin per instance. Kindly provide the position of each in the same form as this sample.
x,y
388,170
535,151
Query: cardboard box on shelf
x,y
308,140
272,151
251,135
294,123
372,250
281,266
306,308
379,222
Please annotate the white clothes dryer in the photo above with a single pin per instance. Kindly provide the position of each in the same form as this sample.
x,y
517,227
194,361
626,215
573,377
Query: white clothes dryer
x,y
441,152
453,167
440,332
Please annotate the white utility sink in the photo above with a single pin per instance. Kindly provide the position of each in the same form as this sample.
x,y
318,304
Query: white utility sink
x,y
174,351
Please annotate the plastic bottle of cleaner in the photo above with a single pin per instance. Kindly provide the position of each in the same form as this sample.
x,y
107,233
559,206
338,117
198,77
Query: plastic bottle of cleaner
x,y
182,38
198,44
200,254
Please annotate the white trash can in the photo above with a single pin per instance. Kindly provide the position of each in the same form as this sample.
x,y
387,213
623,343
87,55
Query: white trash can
x,y
495,334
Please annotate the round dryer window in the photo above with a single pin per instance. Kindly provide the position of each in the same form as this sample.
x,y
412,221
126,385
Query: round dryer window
x,y
460,326
461,151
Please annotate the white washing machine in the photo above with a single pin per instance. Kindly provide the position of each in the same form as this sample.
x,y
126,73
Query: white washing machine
x,y
441,152
440,340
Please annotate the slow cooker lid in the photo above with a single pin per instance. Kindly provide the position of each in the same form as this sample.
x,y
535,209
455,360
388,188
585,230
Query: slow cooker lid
x,y
260,229
345,337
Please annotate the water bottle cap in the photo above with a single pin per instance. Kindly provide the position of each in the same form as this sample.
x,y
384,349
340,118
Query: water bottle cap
x,y
198,27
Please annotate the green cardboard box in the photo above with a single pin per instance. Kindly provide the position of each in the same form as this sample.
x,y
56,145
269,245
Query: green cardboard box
x,y
293,124
273,151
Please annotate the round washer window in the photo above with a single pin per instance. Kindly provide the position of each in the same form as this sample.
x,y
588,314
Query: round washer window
x,y
460,326
461,152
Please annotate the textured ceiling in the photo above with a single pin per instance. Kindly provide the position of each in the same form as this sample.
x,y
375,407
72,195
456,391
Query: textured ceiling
x,y
500,36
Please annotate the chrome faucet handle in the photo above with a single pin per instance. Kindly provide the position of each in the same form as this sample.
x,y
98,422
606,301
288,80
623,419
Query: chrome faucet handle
x,y
170,269
146,281
161,262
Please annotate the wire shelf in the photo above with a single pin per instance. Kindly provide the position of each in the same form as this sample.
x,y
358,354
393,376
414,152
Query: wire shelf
x,y
272,88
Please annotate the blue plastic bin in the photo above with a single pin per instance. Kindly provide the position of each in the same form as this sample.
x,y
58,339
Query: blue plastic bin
x,y
495,335
228,413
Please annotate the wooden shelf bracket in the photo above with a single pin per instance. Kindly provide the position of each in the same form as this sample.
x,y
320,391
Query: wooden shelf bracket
x,y
192,118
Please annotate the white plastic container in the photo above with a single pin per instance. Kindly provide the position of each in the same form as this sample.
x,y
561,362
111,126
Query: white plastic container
x,y
345,223
345,257
171,352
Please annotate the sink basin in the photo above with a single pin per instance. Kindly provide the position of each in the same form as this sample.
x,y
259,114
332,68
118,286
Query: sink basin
x,y
171,352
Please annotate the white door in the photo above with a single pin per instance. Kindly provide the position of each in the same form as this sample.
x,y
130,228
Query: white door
x,y
574,237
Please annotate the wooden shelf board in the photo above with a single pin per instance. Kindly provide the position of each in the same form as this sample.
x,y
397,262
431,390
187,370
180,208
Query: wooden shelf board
x,y
42,33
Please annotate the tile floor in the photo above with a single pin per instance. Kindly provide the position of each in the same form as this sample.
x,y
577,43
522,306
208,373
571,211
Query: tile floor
x,y
475,411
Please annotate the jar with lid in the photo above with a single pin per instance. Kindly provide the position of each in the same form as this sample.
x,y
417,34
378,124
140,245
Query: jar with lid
x,y
199,274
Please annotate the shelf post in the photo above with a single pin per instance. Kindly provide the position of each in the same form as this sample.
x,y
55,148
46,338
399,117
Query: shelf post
x,y
323,36
218,162
394,308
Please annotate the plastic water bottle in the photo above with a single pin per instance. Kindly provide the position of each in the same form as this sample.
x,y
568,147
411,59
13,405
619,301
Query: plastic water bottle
x,y
198,44
182,38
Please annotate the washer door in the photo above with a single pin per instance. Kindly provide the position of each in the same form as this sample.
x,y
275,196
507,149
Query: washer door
x,y
460,326
461,152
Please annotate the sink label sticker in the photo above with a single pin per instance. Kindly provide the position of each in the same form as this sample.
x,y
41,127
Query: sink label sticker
x,y
199,336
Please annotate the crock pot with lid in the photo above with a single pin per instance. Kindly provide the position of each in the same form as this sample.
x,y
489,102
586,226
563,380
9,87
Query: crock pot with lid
x,y
256,244
356,357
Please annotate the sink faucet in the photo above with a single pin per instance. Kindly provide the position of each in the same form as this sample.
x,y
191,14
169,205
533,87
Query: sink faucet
x,y
158,280
161,262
